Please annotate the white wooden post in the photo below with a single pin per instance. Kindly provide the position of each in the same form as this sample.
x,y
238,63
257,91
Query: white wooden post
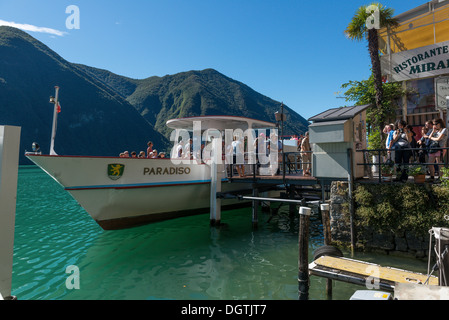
x,y
9,159
215,184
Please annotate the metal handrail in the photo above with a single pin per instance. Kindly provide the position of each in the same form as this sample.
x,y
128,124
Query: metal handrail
x,y
379,163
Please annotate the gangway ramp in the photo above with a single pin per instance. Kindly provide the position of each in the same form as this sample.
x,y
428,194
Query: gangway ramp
x,y
365,273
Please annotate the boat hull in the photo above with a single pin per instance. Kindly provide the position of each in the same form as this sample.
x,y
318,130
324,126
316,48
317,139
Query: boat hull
x,y
125,192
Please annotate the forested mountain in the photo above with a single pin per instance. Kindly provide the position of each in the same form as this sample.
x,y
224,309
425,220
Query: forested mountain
x,y
104,113
194,93
94,119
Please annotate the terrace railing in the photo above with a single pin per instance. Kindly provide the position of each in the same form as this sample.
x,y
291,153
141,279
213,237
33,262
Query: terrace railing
x,y
414,159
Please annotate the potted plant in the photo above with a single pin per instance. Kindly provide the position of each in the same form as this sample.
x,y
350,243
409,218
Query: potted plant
x,y
387,171
375,143
418,171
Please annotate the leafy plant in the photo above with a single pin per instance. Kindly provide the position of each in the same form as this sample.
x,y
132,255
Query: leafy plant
x,y
444,176
400,207
375,142
417,169
364,92
387,169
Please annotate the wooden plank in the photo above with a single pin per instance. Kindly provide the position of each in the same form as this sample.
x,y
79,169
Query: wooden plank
x,y
366,269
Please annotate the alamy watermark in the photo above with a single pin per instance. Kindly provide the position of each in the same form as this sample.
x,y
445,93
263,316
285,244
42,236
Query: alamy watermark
x,y
73,280
73,20
373,21
373,281
231,146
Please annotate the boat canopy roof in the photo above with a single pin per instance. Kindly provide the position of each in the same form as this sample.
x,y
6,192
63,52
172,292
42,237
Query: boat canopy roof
x,y
220,123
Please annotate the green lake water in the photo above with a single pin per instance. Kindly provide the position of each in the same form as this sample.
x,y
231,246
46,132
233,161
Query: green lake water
x,y
180,259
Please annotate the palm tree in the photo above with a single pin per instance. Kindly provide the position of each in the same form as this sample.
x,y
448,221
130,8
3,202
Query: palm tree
x,y
358,30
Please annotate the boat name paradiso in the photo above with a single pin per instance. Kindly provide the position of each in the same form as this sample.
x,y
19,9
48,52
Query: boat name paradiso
x,y
166,171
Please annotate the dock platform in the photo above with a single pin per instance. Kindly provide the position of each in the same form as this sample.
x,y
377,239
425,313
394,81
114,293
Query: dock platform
x,y
290,178
363,273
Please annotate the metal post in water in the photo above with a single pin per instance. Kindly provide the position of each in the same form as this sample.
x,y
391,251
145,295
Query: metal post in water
x,y
291,206
215,186
255,207
9,159
303,260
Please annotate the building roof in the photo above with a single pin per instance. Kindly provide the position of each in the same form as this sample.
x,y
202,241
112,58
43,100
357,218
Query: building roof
x,y
342,113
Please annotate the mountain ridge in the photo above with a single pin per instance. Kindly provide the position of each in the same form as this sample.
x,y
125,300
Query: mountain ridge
x,y
197,93
94,118
104,113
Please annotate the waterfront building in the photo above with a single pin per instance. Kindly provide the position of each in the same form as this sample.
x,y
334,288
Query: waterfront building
x,y
416,53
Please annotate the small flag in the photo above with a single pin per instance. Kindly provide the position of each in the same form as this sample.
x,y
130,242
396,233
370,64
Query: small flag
x,y
58,108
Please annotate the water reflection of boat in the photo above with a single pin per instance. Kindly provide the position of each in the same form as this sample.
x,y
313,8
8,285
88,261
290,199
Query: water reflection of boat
x,y
124,192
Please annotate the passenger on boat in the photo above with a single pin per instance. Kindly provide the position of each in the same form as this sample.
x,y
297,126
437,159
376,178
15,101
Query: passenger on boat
x,y
228,159
36,148
239,151
179,150
150,148
275,163
126,154
141,154
187,154
162,155
154,155
133,154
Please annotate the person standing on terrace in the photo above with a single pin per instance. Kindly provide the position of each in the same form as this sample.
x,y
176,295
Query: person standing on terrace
x,y
402,138
438,136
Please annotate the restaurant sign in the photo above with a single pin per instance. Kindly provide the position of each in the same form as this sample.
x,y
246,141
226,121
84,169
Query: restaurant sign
x,y
422,62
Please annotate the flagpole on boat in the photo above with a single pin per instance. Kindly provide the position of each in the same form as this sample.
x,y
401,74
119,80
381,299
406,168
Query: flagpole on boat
x,y
55,117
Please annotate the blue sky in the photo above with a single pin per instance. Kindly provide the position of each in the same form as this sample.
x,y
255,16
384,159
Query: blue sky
x,y
289,50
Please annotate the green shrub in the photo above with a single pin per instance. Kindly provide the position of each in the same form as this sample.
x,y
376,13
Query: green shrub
x,y
401,207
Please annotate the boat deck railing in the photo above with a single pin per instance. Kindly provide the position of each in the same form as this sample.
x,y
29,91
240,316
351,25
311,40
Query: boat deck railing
x,y
289,163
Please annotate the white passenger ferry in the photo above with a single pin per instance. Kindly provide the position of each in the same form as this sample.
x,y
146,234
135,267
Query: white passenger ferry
x,y
124,192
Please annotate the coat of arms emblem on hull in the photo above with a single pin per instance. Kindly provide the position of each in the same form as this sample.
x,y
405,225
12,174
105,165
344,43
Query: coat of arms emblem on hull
x,y
115,171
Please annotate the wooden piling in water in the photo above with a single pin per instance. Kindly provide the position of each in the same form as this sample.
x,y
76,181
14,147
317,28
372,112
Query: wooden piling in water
x,y
292,206
326,223
303,259
325,214
255,208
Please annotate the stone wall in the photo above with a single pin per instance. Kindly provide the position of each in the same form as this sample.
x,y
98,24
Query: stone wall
x,y
368,240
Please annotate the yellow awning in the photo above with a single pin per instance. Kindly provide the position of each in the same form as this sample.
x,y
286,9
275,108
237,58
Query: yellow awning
x,y
422,26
